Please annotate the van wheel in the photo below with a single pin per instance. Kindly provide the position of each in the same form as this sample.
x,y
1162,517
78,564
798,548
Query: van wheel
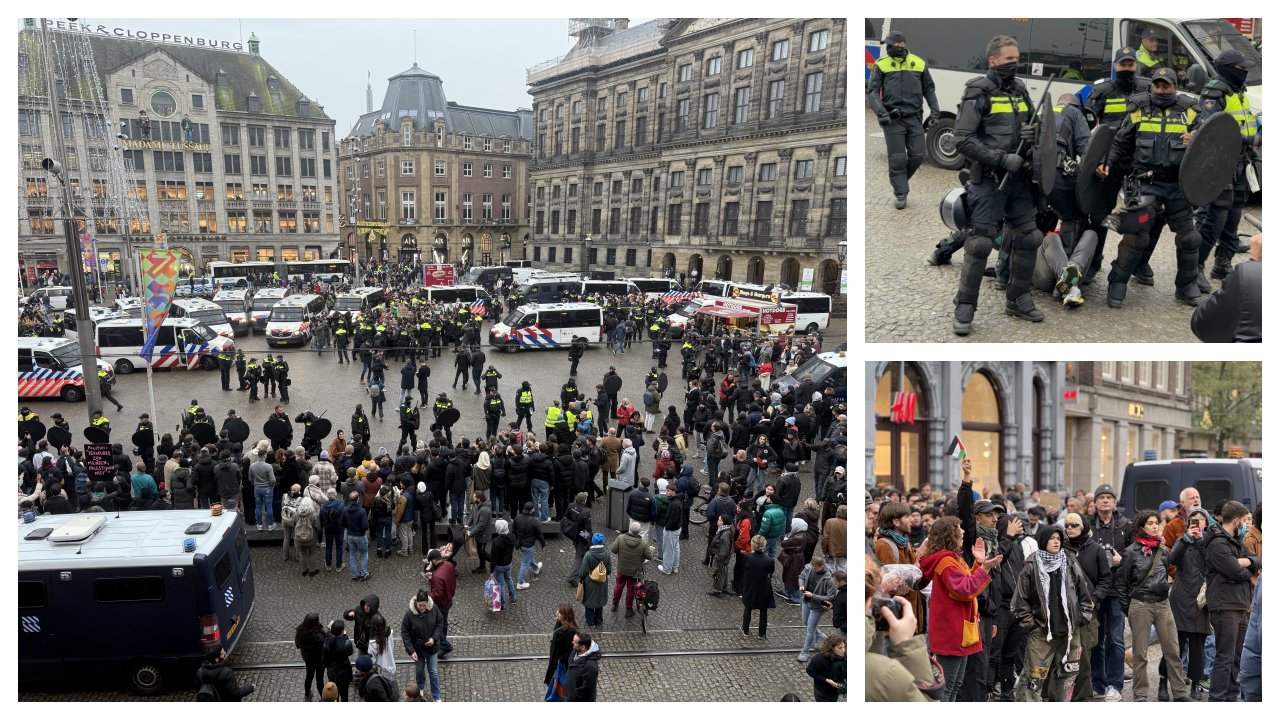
x,y
510,349
940,144
208,363
147,677
123,367
812,329
72,393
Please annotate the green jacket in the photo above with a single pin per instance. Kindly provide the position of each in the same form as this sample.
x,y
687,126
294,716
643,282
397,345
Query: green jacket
x,y
894,678
771,523
632,551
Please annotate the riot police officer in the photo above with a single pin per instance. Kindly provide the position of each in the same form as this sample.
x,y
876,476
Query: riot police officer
x,y
240,369
225,358
282,377
494,409
899,86
1062,257
268,377
995,113
99,421
1148,61
409,420
576,349
568,392
524,405
251,376
341,338
443,403
105,385
1155,135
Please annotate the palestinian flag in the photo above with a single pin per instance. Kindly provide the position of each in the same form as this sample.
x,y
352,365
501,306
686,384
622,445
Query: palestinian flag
x,y
956,449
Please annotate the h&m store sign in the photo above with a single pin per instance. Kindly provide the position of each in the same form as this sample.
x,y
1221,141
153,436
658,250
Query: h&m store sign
x,y
143,35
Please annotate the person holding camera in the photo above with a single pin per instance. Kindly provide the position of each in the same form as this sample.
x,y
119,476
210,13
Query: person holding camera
x,y
1051,601
903,673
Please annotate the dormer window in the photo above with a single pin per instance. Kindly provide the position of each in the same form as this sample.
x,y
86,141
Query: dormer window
x,y
406,132
439,136
255,104
273,83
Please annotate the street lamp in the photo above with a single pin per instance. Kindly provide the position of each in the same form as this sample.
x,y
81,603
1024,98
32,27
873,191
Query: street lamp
x,y
842,248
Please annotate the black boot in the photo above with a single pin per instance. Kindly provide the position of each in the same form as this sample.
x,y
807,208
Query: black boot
x,y
1163,693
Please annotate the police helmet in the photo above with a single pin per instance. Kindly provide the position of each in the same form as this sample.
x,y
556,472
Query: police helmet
x,y
954,210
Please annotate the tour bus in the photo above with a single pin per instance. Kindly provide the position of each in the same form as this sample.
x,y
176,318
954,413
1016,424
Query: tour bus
x,y
813,310
290,319
58,296
333,270
234,304
548,325
488,276
192,286
52,367
730,288
97,313
545,287
825,369
260,307
1078,51
117,596
238,274
359,301
180,343
608,287
207,312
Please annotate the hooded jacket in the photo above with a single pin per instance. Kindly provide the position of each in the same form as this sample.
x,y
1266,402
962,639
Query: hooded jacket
x,y
1030,606
580,680
223,680
1093,562
1187,556
1229,586
954,602
416,628
897,677
361,618
632,551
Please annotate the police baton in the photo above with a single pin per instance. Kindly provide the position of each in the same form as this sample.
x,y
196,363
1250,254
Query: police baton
x,y
1035,122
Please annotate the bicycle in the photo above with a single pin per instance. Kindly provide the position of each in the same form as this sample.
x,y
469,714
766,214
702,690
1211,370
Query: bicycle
x,y
698,506
642,600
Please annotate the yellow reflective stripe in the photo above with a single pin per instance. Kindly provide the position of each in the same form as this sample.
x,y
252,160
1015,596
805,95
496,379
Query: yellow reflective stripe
x,y
1116,104
1160,127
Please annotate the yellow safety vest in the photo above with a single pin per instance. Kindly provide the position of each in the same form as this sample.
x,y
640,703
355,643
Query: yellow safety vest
x,y
526,397
1238,107
553,415
1146,58
101,421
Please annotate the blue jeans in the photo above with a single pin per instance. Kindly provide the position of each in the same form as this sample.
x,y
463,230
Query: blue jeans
x,y
456,506
541,489
771,547
1107,657
432,663
502,576
405,393
595,617
1210,652
358,554
384,533
526,559
810,617
262,500
756,479
953,670
671,550
333,544
659,536
498,499
713,469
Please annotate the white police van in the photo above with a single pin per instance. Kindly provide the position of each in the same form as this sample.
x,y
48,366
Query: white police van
x,y
548,326
260,307
207,312
290,320
192,286
53,367
96,313
117,593
235,306
180,343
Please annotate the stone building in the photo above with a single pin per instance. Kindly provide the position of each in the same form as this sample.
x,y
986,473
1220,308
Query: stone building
x,y
227,157
434,181
706,147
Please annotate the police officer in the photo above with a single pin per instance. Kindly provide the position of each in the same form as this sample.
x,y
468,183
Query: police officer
x,y
268,377
341,338
189,416
359,423
477,366
251,375
568,392
310,444
443,403
99,421
1063,256
1219,222
240,369
201,419
494,408
576,349
282,378
225,358
1148,61
491,378
104,385
1155,135
993,123
284,430
900,84
409,420
524,405
462,366
662,347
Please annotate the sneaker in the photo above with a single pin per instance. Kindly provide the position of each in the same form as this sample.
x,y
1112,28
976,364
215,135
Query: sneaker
x,y
364,577
1112,695
1073,298
260,527
745,633
802,658
789,601
900,202
272,526
537,568
1023,308
1116,293
522,586
1070,278
962,324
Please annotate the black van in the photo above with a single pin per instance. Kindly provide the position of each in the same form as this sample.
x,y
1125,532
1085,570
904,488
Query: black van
x,y
488,276
115,595
1147,484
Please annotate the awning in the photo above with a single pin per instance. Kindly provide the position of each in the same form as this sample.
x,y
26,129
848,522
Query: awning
x,y
724,312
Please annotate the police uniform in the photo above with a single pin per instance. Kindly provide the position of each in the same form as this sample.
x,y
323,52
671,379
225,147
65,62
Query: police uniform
x,y
1152,136
524,406
224,368
104,386
341,337
268,378
1219,221
240,368
494,408
899,86
1148,62
992,114
281,369
442,404
568,393
102,423
251,376
409,419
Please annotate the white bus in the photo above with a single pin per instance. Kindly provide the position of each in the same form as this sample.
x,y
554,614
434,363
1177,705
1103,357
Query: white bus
x,y
333,270
290,321
229,274
209,313
548,326
260,307
180,343
1079,51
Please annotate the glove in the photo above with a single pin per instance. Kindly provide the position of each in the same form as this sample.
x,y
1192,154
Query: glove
x,y
1011,162
884,120
895,113
929,120
1028,133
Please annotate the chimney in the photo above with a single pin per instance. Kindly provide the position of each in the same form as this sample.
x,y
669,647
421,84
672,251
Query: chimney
x,y
253,44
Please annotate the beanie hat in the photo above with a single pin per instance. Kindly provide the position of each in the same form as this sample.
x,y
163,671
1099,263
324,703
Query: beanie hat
x,y
597,539
364,664
313,480
580,498
324,454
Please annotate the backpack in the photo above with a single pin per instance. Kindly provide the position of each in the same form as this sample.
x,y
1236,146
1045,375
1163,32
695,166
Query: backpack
x,y
207,693
331,519
288,514
304,531
569,522
715,447
651,594
648,398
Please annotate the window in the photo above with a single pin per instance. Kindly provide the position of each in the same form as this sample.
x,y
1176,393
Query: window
x,y
284,166
735,175
731,218
677,179
615,221
381,168
126,96
128,589
31,593
841,162
506,207
621,102
812,92
551,252
98,159
633,225
746,58
381,204
597,189
782,48
440,134
682,115
537,254
257,136
600,137
577,108
466,142
441,197
713,66
1071,49
506,172
595,221
804,169
601,103
637,186
559,141
573,190
506,146
202,162
571,222
768,171
236,221
741,104
555,222
616,189
542,192
776,91
662,90
631,257
68,127
257,164
28,124
262,221
711,110
466,207
642,94
704,176
701,218
575,135
230,134
281,137
488,171
439,168
542,115
408,205
685,73
306,139
673,218
818,41
836,219
231,165
555,192
764,219
799,218
488,144
642,130
466,169
568,258
307,167
619,134
328,168
407,167
166,161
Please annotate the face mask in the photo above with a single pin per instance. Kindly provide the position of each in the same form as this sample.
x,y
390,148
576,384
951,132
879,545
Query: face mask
x,y
1242,530
1164,100
1233,75
897,52
1007,70
1124,78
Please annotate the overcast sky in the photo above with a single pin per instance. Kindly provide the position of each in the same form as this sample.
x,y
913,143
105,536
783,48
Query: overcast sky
x,y
482,62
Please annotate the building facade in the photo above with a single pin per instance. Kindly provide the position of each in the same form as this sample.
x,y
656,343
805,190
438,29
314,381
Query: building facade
x,y
1008,415
702,148
212,147
429,180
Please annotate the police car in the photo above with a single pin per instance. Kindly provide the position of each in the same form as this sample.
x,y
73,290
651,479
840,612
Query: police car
x,y
550,325
191,286
52,367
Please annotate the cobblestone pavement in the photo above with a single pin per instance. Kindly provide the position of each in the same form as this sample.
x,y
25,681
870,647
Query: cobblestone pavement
x,y
687,620
908,300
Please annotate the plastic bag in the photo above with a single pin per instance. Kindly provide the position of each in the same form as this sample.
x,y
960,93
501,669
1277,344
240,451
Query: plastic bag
x,y
899,579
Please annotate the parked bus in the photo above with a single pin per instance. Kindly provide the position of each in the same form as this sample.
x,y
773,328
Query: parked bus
x,y
608,287
813,310
333,270
228,274
548,326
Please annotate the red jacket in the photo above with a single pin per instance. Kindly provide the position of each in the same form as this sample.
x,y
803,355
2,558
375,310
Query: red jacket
x,y
624,415
743,543
444,583
953,606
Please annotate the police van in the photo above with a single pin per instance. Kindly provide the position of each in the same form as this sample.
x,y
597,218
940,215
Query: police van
x,y
57,295
234,304
358,301
260,307
1079,51
192,286
608,287
545,287
52,367
548,325
1148,483
828,369
97,313
123,594
290,320
180,343
689,309
488,275
130,306
207,312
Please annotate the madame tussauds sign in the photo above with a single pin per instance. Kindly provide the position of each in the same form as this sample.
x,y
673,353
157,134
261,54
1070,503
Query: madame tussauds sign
x,y
143,35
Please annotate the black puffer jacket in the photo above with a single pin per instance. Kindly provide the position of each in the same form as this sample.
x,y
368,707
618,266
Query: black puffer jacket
x,y
1228,583
1136,579
1187,555
1029,604
1094,563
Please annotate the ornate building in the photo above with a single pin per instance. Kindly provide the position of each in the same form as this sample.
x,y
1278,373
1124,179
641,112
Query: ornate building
x,y
434,181
709,147
192,137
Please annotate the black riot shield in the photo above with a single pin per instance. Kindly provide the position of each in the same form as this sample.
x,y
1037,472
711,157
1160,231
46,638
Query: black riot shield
x,y
204,433
238,430
1095,194
613,384
1210,161
319,429
448,418
276,430
662,382
58,437
145,440
34,428
95,434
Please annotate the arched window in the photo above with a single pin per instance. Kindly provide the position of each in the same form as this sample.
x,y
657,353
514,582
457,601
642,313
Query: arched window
x,y
982,431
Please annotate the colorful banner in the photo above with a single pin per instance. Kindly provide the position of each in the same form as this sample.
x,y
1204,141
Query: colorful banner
x,y
159,278
438,274
89,249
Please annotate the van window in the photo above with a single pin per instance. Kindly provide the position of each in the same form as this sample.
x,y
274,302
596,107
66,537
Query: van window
x,y
128,589
1214,490
808,305
127,336
1074,49
43,360
551,319
222,570
585,317
165,336
31,594
242,546
25,364
961,44
1149,493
